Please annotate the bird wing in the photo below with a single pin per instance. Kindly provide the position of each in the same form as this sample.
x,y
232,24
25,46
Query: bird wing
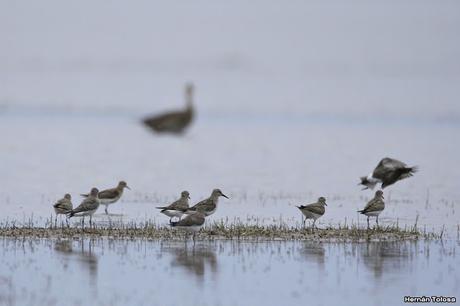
x,y
167,120
205,205
180,204
193,219
315,208
387,165
109,193
87,204
63,204
374,205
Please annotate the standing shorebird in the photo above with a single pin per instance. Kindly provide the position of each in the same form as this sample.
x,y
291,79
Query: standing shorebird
x,y
175,121
177,208
209,205
192,223
63,207
87,207
388,172
374,207
313,211
110,196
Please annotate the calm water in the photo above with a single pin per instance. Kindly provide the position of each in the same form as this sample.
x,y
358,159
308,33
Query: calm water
x,y
105,272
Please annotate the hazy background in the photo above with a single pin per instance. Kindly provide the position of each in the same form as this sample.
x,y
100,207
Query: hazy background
x,y
396,59
295,100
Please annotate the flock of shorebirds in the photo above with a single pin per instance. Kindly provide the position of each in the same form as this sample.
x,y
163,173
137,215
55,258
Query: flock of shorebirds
x,y
387,172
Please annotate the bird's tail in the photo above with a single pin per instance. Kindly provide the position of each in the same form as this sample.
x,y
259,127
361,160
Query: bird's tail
x,y
85,195
161,207
173,223
70,214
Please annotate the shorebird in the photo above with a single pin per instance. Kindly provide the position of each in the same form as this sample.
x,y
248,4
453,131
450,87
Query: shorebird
x,y
387,172
209,205
192,223
174,121
177,208
110,196
87,207
374,207
63,206
313,211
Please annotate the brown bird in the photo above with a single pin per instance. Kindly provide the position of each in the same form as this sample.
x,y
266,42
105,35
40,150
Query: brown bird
x,y
313,211
177,208
87,207
63,206
374,207
207,206
110,196
388,172
175,121
192,223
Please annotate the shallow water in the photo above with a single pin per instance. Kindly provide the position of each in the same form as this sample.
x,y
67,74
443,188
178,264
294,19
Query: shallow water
x,y
137,272
265,168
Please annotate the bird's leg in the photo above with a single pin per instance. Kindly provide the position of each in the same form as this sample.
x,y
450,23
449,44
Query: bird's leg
x,y
67,221
106,211
55,221
90,221
377,221
368,227
83,222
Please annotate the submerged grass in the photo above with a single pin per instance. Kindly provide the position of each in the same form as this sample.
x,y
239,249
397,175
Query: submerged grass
x,y
220,230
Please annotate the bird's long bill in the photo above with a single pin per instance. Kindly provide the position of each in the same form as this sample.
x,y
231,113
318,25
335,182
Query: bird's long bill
x,y
189,197
225,196
128,187
325,204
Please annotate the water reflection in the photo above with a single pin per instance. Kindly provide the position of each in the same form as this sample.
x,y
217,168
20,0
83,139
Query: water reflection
x,y
196,259
385,257
81,254
143,272
313,252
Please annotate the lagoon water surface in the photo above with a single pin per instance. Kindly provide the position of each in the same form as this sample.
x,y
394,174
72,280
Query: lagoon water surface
x,y
140,272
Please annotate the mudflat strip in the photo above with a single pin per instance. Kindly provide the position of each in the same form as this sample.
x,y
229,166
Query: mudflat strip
x,y
232,232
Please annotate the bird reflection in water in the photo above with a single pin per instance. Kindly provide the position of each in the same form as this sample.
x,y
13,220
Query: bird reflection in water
x,y
82,254
196,260
385,257
313,252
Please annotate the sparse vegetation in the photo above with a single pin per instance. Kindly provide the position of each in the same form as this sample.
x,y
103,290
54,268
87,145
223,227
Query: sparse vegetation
x,y
221,230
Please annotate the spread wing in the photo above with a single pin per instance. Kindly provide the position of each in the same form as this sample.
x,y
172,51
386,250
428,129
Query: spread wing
x,y
387,166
